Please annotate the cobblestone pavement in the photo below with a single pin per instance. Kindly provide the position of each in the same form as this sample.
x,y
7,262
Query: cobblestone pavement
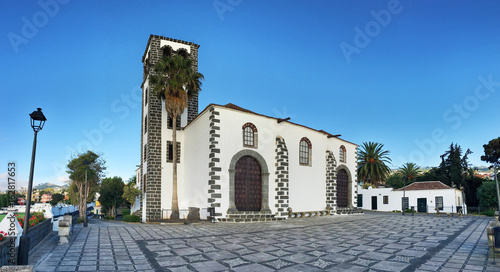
x,y
367,242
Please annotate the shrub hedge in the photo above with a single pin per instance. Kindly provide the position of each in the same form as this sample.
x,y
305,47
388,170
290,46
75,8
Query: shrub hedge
x,y
131,218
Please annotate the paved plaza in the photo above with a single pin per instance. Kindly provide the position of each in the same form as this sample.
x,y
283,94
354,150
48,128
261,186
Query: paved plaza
x,y
365,242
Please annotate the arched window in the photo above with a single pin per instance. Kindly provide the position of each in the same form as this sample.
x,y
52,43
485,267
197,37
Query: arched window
x,y
249,135
342,154
167,51
305,149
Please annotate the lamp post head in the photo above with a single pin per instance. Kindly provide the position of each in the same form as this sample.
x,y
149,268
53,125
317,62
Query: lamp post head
x,y
37,120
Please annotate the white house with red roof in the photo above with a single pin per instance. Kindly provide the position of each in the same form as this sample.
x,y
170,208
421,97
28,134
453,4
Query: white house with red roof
x,y
424,196
245,165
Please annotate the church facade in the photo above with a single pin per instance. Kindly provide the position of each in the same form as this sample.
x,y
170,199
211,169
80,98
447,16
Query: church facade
x,y
238,162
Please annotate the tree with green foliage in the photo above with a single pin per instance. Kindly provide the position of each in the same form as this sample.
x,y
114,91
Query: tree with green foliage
x,y
130,193
492,155
372,163
73,195
132,180
434,174
175,81
111,194
492,152
56,198
95,171
395,180
410,171
4,200
487,195
454,166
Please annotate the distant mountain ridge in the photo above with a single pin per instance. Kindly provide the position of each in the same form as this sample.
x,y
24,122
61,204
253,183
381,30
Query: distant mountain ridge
x,y
46,185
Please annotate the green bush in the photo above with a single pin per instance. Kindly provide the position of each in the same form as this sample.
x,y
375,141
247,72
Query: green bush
x,y
131,218
488,213
109,218
125,212
79,220
408,211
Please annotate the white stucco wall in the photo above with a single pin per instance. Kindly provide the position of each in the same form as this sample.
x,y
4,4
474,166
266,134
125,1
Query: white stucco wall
x,y
307,187
307,184
451,199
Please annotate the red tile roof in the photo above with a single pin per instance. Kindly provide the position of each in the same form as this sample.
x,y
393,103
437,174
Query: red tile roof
x,y
425,185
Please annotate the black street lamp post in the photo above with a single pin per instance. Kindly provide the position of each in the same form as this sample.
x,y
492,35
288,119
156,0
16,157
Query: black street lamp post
x,y
85,220
495,172
37,122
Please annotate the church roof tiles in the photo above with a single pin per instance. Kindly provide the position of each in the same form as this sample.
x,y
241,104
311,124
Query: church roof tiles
x,y
238,108
425,185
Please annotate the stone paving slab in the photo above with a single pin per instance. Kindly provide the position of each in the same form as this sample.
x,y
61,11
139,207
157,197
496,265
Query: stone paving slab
x,y
366,242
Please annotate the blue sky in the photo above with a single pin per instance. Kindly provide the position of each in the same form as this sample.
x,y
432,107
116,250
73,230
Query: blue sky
x,y
413,75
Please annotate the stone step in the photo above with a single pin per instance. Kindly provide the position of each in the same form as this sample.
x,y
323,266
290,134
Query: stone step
x,y
250,216
243,220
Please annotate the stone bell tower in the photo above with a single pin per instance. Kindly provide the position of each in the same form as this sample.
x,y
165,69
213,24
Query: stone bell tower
x,y
153,113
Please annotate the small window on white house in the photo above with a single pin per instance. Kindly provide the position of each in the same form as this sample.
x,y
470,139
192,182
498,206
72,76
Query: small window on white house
x,y
342,154
305,149
249,135
386,199
439,203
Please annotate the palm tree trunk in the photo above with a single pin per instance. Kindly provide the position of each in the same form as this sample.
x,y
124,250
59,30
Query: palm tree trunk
x,y
175,201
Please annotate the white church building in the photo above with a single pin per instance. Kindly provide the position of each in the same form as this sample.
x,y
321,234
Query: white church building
x,y
241,163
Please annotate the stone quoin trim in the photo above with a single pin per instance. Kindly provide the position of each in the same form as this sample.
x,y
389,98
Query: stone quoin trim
x,y
250,135
214,182
331,180
153,147
264,174
282,180
356,185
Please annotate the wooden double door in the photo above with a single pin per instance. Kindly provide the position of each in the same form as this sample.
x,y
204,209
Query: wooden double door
x,y
342,188
248,184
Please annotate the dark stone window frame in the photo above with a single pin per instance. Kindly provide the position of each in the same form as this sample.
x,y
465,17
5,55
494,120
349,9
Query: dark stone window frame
x,y
250,135
170,148
305,152
170,123
145,124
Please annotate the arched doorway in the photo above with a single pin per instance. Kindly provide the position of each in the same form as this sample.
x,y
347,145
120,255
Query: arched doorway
x,y
342,188
264,178
248,184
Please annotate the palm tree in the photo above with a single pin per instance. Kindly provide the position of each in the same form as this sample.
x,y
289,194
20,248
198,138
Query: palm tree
x,y
372,163
175,80
409,170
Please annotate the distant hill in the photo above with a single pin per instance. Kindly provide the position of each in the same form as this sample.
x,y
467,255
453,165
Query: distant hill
x,y
49,185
